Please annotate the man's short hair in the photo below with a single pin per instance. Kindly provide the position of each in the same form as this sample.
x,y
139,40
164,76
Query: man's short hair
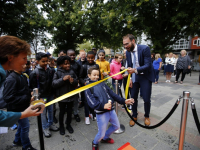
x,y
11,45
130,36
91,69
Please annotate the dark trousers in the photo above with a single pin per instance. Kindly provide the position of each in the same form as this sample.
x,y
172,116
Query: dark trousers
x,y
62,106
145,85
124,84
199,76
179,71
156,74
175,72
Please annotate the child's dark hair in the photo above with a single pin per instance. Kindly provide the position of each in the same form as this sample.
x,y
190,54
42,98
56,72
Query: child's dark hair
x,y
51,59
70,50
91,69
61,60
41,55
91,53
64,51
117,55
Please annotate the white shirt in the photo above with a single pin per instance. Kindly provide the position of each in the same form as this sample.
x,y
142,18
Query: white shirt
x,y
171,61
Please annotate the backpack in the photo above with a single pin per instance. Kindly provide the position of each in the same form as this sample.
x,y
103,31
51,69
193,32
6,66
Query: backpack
x,y
3,104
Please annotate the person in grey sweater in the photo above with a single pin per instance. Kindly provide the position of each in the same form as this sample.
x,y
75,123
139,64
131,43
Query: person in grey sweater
x,y
183,63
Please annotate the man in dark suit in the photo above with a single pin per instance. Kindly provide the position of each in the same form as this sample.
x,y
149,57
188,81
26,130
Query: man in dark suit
x,y
139,65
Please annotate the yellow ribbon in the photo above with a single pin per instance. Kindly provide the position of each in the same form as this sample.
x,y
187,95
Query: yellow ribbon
x,y
126,90
82,89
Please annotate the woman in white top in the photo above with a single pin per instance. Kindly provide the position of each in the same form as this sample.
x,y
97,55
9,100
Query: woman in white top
x,y
170,66
175,61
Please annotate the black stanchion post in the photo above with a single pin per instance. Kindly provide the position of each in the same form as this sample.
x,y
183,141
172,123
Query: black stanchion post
x,y
186,98
122,127
39,122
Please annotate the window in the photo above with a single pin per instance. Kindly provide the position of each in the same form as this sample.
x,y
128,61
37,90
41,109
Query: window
x,y
195,42
198,42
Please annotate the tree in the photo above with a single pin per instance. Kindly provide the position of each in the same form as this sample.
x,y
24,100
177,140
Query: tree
x,y
13,17
87,46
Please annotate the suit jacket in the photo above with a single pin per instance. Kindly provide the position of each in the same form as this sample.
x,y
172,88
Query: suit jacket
x,y
144,58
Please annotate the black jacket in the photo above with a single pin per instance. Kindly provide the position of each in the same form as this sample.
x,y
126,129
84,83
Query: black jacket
x,y
45,81
85,70
62,87
78,70
16,92
82,62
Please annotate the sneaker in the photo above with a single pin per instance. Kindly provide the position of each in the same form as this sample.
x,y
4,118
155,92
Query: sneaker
x,y
29,148
15,144
70,129
87,120
109,140
95,146
77,118
13,127
53,127
46,132
169,81
173,76
94,118
91,116
166,81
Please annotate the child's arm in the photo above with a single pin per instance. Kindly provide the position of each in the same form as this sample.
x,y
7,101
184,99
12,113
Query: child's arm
x,y
80,77
33,80
111,69
57,82
10,92
74,80
93,101
115,96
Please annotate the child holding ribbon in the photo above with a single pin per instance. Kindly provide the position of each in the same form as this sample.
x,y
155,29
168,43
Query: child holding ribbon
x,y
100,98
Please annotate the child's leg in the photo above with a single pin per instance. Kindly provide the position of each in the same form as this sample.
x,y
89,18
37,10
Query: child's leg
x,y
44,118
86,109
24,125
115,124
50,112
69,112
62,106
76,105
102,122
18,133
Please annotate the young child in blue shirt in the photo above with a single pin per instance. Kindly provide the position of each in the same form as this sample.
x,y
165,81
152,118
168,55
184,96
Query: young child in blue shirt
x,y
100,98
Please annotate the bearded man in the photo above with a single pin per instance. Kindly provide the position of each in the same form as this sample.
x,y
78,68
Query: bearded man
x,y
138,61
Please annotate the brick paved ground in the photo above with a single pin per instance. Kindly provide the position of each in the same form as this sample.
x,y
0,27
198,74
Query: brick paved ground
x,y
165,137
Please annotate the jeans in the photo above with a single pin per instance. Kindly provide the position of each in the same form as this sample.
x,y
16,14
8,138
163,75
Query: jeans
x,y
46,123
62,106
179,71
119,83
23,132
156,74
102,123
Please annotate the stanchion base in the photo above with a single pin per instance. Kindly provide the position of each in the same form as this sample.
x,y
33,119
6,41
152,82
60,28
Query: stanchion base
x,y
120,130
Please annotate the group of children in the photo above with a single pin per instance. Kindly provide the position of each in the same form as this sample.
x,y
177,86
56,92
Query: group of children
x,y
68,75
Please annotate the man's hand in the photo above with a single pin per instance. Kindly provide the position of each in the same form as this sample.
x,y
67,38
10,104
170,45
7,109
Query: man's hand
x,y
67,77
30,112
131,70
108,106
129,101
71,80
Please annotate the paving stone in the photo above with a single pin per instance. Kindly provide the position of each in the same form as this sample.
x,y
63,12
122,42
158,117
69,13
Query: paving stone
x,y
165,137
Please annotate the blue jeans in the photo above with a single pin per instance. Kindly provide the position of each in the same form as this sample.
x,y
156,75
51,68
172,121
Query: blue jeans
x,y
102,123
46,123
156,74
119,83
23,132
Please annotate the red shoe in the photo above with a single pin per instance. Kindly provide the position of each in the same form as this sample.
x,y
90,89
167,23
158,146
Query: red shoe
x,y
109,140
95,146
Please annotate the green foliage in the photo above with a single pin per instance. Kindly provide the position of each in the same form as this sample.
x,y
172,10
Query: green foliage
x,y
87,46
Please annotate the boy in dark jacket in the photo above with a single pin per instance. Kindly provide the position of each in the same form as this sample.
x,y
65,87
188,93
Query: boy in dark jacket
x,y
17,96
78,70
90,63
41,78
65,81
101,97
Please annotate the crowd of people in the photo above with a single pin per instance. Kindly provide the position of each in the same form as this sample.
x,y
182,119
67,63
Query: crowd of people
x,y
56,77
